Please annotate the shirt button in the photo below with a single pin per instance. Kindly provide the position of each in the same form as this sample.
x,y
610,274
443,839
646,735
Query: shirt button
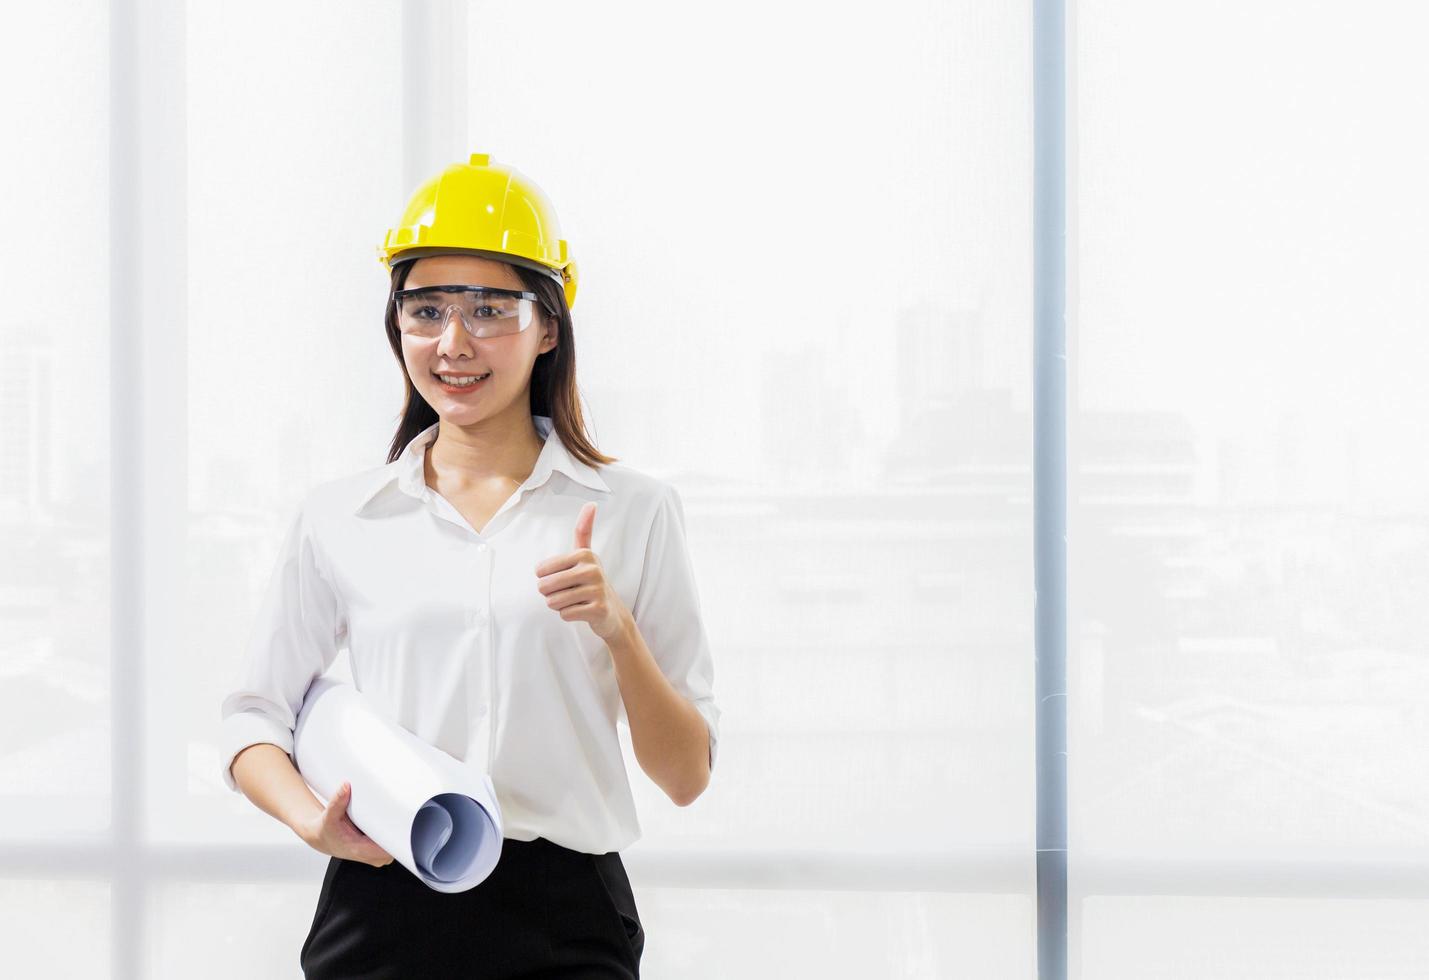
x,y
481,546
478,617
481,711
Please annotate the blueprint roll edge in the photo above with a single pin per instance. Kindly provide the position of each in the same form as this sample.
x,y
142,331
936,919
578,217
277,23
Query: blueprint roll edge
x,y
433,813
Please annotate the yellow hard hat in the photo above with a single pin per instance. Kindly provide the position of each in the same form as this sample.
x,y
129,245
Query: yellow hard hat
x,y
482,208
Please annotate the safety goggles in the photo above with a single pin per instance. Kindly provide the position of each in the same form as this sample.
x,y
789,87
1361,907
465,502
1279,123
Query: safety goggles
x,y
485,311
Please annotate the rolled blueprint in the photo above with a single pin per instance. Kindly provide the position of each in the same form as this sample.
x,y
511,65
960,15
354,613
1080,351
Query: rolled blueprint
x,y
436,815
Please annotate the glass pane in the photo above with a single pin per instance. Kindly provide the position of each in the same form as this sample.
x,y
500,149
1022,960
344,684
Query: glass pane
x,y
280,394
55,928
54,421
1179,937
856,474
712,934
1248,519
212,930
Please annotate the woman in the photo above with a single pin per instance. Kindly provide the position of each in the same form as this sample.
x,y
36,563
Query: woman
x,y
507,593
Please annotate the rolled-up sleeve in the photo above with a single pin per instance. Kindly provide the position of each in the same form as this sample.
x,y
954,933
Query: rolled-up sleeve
x,y
667,612
294,638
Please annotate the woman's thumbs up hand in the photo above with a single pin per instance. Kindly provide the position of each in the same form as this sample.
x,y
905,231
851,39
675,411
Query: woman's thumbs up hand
x,y
575,585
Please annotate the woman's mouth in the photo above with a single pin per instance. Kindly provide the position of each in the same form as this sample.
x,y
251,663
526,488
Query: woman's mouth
x,y
458,385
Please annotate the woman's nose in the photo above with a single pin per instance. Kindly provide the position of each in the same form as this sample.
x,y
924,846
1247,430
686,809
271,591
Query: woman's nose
x,y
453,328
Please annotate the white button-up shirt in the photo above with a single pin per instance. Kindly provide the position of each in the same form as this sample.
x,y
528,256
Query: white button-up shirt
x,y
448,634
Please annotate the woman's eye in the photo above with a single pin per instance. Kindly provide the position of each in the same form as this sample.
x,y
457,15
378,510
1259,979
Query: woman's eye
x,y
485,312
425,312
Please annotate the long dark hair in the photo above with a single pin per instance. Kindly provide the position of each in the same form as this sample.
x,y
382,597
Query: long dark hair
x,y
553,377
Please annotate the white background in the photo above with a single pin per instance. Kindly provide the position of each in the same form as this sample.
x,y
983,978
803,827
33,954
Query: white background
x,y
805,239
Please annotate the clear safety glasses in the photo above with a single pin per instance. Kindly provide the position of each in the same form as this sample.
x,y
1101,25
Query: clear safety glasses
x,y
485,311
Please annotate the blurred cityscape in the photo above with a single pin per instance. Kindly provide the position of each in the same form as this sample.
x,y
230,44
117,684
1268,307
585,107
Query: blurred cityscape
x,y
1246,648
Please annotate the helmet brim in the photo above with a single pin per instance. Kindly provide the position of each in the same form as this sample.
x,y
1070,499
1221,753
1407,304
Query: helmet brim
x,y
426,251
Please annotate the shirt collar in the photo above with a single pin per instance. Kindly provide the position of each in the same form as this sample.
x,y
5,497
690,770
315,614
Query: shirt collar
x,y
407,472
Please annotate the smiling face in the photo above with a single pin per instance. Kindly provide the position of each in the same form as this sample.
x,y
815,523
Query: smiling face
x,y
509,359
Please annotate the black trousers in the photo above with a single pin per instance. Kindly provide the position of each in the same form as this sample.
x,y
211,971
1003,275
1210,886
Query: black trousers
x,y
545,911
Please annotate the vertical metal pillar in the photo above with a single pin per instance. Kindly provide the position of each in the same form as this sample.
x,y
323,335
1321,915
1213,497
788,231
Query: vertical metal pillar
x,y
1049,475
127,894
434,102
148,361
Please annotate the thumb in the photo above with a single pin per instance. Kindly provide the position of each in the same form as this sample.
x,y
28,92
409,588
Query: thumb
x,y
584,523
